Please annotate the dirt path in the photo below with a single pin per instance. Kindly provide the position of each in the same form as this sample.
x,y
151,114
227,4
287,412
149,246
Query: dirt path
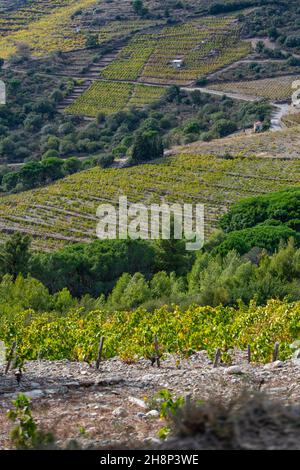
x,y
234,96
281,110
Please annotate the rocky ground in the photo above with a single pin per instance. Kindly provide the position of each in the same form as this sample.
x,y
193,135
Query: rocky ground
x,y
109,407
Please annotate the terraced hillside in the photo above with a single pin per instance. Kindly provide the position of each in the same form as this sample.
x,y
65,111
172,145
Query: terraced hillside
x,y
63,25
203,46
276,89
65,212
44,25
52,25
112,97
135,71
282,145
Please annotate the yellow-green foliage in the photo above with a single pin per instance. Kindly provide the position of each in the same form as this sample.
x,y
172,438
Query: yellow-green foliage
x,y
271,88
131,59
105,97
130,334
144,95
65,212
111,97
205,45
117,29
45,28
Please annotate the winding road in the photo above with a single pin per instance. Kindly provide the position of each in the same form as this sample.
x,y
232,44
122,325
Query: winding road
x,y
280,110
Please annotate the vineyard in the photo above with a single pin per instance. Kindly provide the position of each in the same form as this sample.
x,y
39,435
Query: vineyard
x,y
44,25
130,61
118,29
51,25
203,46
112,97
106,97
130,335
143,95
282,145
65,212
28,13
276,89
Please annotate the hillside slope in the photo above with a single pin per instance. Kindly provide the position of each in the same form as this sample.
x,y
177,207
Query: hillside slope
x,y
216,174
283,145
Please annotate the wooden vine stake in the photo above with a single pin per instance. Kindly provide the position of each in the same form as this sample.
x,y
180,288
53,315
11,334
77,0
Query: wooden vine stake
x,y
275,352
217,357
99,357
157,354
249,353
10,356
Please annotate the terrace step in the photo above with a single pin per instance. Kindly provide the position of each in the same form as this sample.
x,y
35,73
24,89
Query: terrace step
x,y
92,73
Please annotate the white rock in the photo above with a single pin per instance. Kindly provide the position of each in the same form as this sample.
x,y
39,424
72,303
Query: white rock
x,y
120,413
296,354
152,440
152,414
278,364
275,390
138,402
233,370
72,384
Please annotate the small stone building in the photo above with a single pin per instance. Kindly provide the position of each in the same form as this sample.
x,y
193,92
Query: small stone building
x,y
177,63
258,126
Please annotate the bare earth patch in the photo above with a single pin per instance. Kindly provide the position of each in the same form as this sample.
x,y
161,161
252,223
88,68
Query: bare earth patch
x,y
105,408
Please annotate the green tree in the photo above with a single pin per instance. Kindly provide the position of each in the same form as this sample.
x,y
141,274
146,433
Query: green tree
x,y
147,146
160,285
71,165
92,41
15,255
139,8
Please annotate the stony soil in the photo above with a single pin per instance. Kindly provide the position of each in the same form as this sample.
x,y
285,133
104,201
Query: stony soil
x,y
108,407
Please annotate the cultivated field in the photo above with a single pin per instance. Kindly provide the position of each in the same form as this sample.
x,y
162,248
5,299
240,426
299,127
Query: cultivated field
x,y
112,97
51,25
204,45
276,89
65,212
283,145
45,26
